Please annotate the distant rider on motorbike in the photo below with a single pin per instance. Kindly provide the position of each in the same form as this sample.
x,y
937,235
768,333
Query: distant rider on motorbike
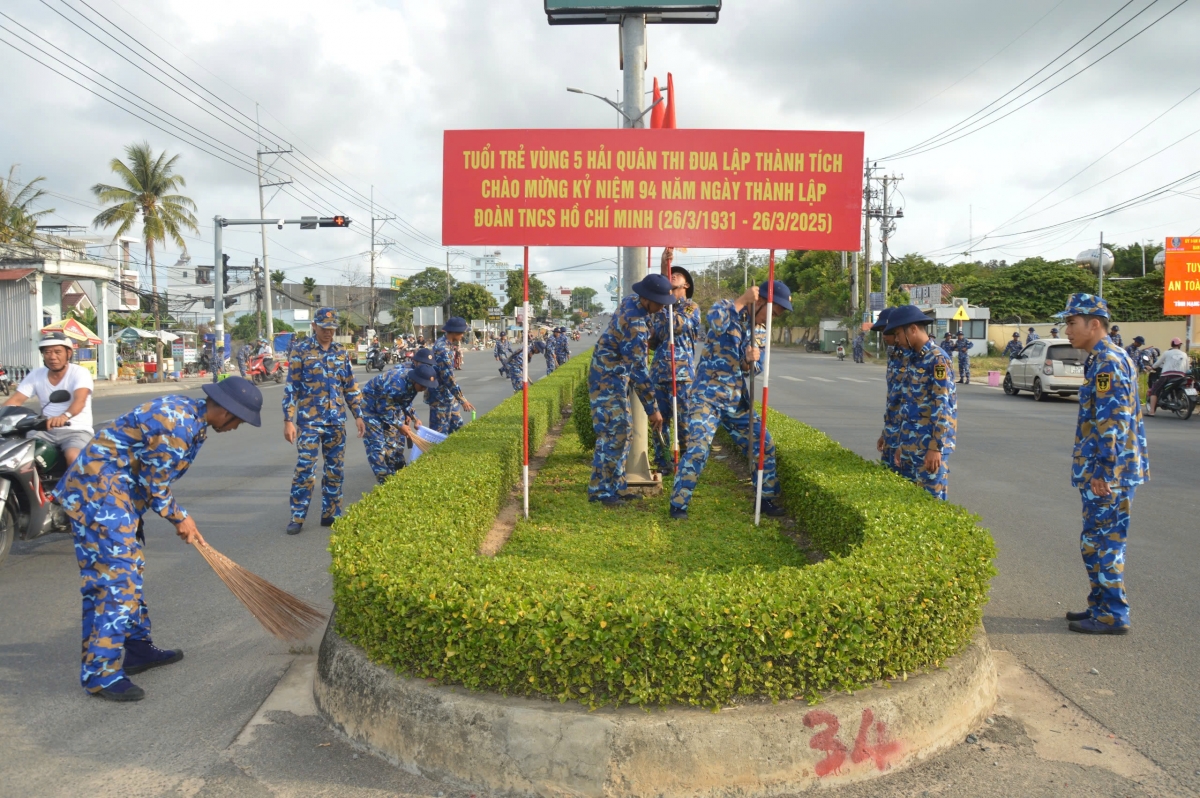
x,y
1174,365
69,424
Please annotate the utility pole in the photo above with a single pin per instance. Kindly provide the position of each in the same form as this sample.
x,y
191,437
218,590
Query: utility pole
x,y
373,308
1100,265
258,300
887,226
262,212
854,285
447,286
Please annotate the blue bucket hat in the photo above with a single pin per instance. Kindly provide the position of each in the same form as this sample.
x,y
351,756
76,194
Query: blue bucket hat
x,y
1085,305
455,324
327,318
782,297
882,321
423,356
424,375
239,396
905,315
655,288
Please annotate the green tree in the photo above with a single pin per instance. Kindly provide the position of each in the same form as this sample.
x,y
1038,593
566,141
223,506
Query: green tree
x,y
820,287
424,289
18,220
515,288
1137,299
310,286
557,308
149,189
471,301
583,298
277,277
246,328
1033,289
1127,261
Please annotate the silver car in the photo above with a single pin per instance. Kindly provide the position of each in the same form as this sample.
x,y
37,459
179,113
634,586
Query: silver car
x,y
1048,366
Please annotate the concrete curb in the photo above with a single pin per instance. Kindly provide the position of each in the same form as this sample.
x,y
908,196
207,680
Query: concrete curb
x,y
531,747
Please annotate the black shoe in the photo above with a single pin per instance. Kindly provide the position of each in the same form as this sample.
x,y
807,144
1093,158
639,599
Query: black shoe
x,y
294,528
328,521
772,509
122,690
142,655
679,513
1079,616
1094,627
631,497
612,501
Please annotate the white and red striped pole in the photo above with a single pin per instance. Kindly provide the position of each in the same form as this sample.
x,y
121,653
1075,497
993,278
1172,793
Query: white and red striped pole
x,y
525,386
762,427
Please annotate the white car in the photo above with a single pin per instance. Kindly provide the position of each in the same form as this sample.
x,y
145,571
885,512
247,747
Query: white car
x,y
1044,367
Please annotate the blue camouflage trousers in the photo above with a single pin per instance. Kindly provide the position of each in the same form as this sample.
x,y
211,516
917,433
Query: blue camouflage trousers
x,y
912,468
664,456
964,366
110,569
858,353
711,405
311,443
608,395
888,458
1102,544
551,362
385,447
445,418
513,372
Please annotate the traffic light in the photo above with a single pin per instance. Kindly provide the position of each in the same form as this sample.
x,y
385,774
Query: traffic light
x,y
225,274
334,221
230,300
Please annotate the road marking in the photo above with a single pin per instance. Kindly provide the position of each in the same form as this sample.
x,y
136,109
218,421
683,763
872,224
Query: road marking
x,y
485,379
822,379
851,379
793,379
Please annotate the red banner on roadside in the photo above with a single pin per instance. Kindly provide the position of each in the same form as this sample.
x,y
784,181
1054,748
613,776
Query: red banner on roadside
x,y
1181,277
756,189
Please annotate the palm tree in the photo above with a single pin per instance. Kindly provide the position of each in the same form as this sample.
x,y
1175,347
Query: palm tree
x,y
310,285
149,188
277,277
18,223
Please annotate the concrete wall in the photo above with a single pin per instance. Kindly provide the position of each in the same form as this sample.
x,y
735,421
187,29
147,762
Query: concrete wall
x,y
1156,333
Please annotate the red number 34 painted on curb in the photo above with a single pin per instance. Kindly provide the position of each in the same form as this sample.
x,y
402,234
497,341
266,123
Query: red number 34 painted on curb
x,y
880,751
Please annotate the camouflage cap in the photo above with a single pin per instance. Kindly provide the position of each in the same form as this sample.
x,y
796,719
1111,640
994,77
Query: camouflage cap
x,y
1085,305
326,317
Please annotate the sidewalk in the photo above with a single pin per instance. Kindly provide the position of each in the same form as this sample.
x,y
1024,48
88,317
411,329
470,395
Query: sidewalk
x,y
127,387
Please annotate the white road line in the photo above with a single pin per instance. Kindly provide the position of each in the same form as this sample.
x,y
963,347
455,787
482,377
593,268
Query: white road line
x,y
485,379
822,379
793,379
851,379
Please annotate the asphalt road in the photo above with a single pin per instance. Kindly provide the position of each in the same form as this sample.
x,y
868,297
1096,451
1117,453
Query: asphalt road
x,y
58,741
1012,466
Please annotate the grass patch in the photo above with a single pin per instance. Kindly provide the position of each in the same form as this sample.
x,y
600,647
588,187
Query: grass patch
x,y
640,538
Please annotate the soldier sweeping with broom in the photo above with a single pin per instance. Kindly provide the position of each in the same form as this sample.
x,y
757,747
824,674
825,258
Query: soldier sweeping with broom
x,y
126,470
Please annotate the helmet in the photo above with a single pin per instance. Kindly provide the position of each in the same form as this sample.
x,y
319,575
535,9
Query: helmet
x,y
56,338
45,454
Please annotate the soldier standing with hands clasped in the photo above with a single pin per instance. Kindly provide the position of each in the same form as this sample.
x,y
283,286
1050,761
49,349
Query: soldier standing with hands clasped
x,y
320,379
1109,461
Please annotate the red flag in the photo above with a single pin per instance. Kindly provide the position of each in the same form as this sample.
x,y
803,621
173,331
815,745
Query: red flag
x,y
669,116
656,116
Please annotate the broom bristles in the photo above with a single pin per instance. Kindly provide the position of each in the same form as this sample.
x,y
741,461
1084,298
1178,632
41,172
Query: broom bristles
x,y
283,615
421,443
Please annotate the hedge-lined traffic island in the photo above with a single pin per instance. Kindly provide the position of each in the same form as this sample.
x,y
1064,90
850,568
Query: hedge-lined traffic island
x,y
900,591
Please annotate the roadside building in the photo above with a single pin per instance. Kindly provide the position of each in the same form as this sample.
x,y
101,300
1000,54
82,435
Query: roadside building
x,y
947,313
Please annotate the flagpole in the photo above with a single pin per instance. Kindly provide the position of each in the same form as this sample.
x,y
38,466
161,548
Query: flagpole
x,y
674,384
525,387
762,427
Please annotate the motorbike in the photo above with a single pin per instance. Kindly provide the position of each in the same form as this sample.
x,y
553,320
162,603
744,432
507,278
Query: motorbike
x,y
6,382
812,346
261,368
28,469
377,358
1178,395
841,351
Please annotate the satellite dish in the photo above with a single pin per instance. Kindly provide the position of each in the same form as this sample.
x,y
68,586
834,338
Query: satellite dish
x,y
1089,258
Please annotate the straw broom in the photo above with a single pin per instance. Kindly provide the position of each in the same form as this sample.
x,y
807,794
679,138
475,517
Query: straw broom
x,y
421,443
282,614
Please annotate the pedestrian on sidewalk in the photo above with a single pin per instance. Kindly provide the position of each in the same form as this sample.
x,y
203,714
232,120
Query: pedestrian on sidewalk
x,y
618,360
719,396
1109,461
445,400
928,414
126,470
320,382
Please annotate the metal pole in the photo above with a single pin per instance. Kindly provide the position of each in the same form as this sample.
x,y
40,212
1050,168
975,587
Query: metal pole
x,y
762,425
1143,246
262,213
372,311
218,294
525,386
854,285
258,302
1100,265
884,226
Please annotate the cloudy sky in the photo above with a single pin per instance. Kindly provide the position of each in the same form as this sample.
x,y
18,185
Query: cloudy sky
x,y
362,90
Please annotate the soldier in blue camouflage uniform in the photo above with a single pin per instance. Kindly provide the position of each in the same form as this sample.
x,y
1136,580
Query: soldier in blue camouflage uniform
x,y
947,344
551,354
686,314
387,412
125,470
894,376
1014,346
511,367
320,379
963,347
562,348
1109,461
445,400
1031,336
502,350
243,355
719,395
619,359
858,347
928,413
1114,335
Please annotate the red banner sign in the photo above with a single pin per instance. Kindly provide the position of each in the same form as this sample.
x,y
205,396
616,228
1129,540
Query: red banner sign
x,y
1181,277
756,189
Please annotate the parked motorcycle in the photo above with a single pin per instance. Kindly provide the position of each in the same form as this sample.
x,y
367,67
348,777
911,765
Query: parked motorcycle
x,y
1178,395
261,368
6,382
841,351
28,469
812,346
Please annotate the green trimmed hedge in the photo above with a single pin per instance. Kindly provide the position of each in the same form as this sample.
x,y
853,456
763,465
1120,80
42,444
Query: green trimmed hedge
x,y
903,588
581,414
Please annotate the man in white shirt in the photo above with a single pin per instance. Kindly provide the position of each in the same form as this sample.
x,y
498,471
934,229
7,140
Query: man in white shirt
x,y
1174,364
69,424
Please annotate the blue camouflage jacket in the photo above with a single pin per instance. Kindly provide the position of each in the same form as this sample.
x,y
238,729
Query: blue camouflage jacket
x,y
622,348
447,392
1110,438
726,344
894,376
502,350
133,461
319,383
1013,349
562,349
963,347
389,396
687,329
928,413
513,363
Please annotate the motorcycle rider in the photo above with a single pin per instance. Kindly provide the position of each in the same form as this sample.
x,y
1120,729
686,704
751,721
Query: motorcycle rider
x,y
1174,365
69,424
